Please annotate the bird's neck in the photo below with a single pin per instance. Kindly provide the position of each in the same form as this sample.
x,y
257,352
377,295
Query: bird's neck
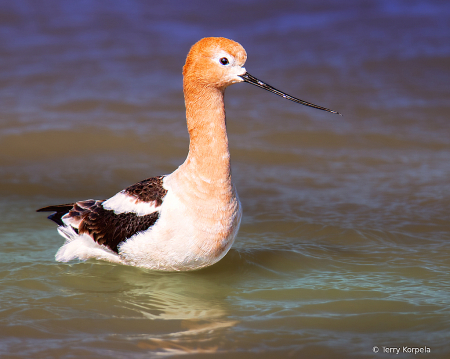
x,y
209,156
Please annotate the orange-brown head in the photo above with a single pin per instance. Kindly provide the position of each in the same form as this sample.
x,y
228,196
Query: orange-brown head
x,y
215,61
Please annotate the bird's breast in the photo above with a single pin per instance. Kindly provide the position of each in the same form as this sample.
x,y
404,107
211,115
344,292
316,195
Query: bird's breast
x,y
196,228
212,212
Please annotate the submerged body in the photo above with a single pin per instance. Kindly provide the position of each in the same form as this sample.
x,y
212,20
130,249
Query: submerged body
x,y
186,220
166,233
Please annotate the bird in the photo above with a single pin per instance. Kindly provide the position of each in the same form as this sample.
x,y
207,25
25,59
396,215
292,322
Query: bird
x,y
186,220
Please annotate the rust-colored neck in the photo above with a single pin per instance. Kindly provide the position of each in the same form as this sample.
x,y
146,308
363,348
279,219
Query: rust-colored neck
x,y
208,157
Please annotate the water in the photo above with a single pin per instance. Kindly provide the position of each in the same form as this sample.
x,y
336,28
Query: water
x,y
344,243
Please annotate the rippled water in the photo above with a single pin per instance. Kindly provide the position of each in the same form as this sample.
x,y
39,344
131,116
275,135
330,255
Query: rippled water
x,y
344,243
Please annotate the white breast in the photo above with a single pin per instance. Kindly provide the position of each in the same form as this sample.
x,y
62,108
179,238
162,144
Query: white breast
x,y
188,235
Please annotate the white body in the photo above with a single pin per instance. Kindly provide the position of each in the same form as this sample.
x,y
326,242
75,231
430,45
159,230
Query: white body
x,y
183,238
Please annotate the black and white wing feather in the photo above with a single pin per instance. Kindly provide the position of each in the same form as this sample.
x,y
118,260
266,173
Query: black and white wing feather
x,y
111,222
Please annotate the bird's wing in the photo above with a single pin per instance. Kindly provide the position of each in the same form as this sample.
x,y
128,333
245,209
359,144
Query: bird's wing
x,y
110,222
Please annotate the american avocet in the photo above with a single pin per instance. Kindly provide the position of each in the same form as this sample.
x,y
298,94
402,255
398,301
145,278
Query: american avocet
x,y
188,219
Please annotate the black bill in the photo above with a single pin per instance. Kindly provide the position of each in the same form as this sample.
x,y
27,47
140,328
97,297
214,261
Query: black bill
x,y
254,81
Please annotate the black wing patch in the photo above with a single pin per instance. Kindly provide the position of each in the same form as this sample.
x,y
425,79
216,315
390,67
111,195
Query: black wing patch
x,y
60,210
149,190
104,226
110,229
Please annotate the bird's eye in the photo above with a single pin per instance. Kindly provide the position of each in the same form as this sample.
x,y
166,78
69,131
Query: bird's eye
x,y
224,61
